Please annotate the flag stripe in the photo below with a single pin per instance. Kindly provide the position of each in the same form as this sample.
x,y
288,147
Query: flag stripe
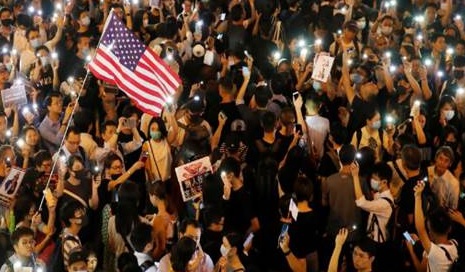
x,y
124,79
123,60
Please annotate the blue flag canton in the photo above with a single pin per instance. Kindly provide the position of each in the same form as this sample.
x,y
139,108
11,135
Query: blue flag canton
x,y
123,43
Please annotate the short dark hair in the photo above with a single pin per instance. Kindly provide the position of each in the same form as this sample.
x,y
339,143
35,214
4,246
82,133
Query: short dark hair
x,y
368,246
236,13
227,84
446,151
188,222
268,121
141,235
383,171
83,119
212,216
459,61
32,29
68,210
161,126
125,260
303,189
41,156
22,206
158,189
347,154
411,156
48,99
181,253
338,133
72,129
235,240
231,165
439,221
19,233
108,123
435,37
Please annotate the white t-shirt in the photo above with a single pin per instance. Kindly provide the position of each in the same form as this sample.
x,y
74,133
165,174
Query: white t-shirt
x,y
437,258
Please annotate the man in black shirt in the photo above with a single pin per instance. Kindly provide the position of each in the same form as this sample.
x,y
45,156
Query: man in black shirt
x,y
239,213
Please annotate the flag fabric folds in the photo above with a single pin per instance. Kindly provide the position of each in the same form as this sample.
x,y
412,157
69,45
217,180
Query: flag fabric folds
x,y
123,60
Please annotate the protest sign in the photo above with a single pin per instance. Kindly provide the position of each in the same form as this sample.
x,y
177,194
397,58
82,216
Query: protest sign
x,y
191,175
322,66
15,95
10,185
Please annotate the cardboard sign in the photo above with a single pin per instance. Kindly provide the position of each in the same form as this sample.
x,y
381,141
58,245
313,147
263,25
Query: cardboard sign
x,y
322,66
191,175
16,95
10,185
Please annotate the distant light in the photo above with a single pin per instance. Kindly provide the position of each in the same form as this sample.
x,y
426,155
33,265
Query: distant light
x,y
440,73
277,55
450,51
428,62
358,155
301,43
197,98
460,91
318,42
20,143
169,100
8,133
389,119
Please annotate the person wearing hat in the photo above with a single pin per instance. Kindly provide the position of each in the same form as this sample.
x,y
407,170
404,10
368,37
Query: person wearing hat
x,y
192,119
77,261
347,41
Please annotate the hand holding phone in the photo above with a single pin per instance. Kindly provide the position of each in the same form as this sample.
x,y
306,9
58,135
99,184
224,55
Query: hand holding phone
x,y
284,230
409,238
143,156
245,71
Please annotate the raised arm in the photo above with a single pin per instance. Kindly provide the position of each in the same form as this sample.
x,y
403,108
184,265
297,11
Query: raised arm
x,y
420,218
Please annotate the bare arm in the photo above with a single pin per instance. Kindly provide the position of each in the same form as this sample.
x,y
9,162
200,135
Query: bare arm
x,y
420,218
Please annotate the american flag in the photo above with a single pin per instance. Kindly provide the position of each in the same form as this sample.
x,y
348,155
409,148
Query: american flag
x,y
121,59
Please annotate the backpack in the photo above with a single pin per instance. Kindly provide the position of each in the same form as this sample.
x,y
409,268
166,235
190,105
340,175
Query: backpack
x,y
57,263
458,265
390,226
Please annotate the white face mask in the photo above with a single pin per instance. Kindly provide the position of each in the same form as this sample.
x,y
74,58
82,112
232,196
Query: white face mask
x,y
386,30
449,114
361,24
224,251
85,21
374,184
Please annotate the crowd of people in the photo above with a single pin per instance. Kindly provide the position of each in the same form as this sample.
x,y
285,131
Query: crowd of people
x,y
359,168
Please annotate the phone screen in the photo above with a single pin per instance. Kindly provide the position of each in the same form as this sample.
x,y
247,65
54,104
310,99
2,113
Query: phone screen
x,y
284,230
408,237
144,156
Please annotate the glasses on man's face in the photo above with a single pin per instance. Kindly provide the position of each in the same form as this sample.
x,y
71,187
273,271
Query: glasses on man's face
x,y
72,143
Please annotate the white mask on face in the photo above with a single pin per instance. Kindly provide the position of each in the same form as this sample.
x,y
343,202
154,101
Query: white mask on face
x,y
361,24
386,30
85,21
449,114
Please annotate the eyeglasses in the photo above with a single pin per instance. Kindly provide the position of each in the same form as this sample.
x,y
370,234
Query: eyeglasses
x,y
116,167
30,242
73,143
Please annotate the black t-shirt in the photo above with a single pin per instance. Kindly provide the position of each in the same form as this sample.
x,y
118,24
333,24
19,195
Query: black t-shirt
x,y
231,112
238,212
359,113
303,234
284,143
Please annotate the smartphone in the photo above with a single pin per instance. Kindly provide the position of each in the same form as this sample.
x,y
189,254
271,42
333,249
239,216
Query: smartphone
x,y
295,95
222,115
284,230
222,16
219,36
408,237
298,128
144,156
131,123
154,3
245,71
248,240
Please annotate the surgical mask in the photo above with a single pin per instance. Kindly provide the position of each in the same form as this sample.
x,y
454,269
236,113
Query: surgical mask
x,y
7,22
45,61
9,66
155,135
386,30
224,251
145,22
356,78
459,74
449,114
85,21
35,42
85,51
316,85
81,174
376,125
375,184
361,24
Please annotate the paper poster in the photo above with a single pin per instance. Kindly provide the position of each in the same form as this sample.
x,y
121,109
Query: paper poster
x,y
10,185
322,66
191,175
293,209
16,95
